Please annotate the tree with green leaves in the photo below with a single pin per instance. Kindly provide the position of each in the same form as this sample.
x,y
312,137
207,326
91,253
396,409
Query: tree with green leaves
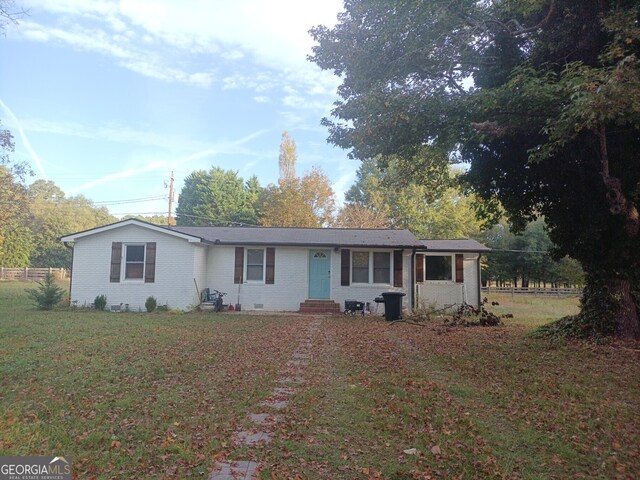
x,y
419,196
17,246
524,259
51,214
155,219
13,204
540,97
216,197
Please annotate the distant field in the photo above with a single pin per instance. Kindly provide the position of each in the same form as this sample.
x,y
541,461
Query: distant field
x,y
531,311
162,395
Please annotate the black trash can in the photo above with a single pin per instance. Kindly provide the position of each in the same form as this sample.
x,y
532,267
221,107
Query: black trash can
x,y
393,305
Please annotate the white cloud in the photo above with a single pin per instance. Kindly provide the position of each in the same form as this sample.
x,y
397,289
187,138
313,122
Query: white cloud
x,y
232,55
261,99
291,119
274,35
112,133
25,140
223,147
112,177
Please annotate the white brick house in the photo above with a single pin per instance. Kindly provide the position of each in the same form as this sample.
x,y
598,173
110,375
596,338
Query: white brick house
x,y
270,269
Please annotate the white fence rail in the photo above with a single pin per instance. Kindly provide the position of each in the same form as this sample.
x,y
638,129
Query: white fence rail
x,y
540,292
32,274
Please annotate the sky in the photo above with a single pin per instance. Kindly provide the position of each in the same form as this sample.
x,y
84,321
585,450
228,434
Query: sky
x,y
106,98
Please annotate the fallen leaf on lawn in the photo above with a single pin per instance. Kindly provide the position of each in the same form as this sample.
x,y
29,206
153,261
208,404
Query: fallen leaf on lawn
x,y
436,450
411,451
171,471
116,444
220,456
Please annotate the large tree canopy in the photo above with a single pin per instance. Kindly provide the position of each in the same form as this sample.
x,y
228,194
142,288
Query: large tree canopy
x,y
419,195
540,97
217,197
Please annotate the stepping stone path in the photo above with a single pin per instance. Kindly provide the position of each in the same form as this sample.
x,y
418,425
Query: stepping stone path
x,y
234,471
278,401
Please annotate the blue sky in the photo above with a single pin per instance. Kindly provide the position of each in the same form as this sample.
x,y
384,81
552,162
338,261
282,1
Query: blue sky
x,y
106,98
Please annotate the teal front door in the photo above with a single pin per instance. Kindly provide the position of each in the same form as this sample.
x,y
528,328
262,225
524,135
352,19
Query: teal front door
x,y
319,274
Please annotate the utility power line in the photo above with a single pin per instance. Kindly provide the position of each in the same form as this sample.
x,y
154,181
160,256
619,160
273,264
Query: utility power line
x,y
130,200
520,251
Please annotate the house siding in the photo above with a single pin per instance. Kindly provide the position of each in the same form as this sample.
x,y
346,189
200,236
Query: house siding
x,y
441,294
368,292
285,294
173,284
291,285
200,256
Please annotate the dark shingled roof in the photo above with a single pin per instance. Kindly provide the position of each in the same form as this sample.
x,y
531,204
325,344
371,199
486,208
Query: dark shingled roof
x,y
455,245
318,237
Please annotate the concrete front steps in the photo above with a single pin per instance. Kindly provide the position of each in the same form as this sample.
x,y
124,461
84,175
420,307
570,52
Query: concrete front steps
x,y
314,307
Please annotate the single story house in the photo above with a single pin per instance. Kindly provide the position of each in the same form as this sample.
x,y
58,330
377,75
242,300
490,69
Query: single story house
x,y
269,269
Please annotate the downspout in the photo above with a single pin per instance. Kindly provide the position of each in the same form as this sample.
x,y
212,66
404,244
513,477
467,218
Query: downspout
x,y
66,244
479,282
413,279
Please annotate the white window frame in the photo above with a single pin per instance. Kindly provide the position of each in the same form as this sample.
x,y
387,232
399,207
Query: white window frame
x,y
125,248
246,264
353,255
371,275
389,271
451,271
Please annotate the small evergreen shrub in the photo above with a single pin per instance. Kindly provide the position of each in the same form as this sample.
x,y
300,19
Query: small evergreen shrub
x,y
47,295
150,304
100,302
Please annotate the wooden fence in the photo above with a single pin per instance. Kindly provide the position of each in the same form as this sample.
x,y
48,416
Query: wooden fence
x,y
32,274
540,292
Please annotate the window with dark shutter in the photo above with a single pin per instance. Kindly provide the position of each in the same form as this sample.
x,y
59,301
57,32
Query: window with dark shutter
x,y
419,268
150,263
116,260
345,267
397,268
239,265
438,267
270,276
459,268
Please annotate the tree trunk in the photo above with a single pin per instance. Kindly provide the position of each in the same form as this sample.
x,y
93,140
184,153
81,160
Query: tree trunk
x,y
611,307
627,322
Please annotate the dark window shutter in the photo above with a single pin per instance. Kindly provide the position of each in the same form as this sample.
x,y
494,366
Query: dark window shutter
x,y
397,268
419,267
150,263
459,268
239,266
270,272
345,267
116,261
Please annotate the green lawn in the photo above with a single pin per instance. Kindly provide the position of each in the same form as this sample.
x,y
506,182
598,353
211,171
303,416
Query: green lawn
x,y
533,311
160,395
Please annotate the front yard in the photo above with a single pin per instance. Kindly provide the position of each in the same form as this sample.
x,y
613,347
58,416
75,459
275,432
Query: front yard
x,y
164,395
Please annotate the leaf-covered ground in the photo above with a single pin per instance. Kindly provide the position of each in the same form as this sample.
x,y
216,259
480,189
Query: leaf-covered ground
x,y
162,395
